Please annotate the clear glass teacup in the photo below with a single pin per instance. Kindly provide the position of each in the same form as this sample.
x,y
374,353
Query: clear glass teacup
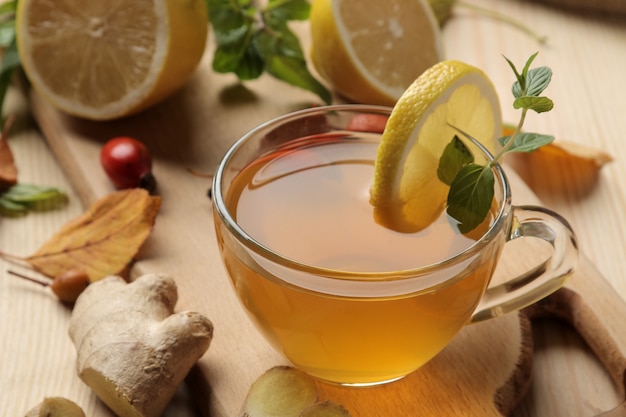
x,y
343,298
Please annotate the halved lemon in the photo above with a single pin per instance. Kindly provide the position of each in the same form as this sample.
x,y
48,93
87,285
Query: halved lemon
x,y
102,59
370,51
450,96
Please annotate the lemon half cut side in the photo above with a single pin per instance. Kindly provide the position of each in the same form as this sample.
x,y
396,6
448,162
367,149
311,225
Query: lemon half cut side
x,y
406,193
370,51
102,59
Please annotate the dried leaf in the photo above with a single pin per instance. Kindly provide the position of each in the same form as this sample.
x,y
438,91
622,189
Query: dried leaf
x,y
577,154
104,239
561,167
8,169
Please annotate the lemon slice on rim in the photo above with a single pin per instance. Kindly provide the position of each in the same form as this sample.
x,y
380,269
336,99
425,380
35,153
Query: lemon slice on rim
x,y
370,51
102,60
406,194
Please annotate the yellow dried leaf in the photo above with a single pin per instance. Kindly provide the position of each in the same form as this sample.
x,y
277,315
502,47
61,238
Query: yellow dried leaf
x,y
104,239
561,167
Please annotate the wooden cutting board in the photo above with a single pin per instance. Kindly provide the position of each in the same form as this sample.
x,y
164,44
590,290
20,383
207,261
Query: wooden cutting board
x,y
485,371
192,131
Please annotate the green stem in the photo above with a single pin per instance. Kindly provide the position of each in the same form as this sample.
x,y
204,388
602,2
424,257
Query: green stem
x,y
506,19
508,145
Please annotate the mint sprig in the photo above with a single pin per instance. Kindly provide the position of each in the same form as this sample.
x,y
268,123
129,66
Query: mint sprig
x,y
252,40
471,184
19,199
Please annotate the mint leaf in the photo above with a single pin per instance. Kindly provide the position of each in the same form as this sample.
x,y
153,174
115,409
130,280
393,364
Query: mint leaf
x,y
7,33
233,26
455,156
289,10
252,40
537,80
280,50
10,58
470,196
10,209
244,62
21,198
8,7
538,104
526,142
10,61
519,87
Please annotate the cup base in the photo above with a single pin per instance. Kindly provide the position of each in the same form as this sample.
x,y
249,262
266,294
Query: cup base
x,y
357,384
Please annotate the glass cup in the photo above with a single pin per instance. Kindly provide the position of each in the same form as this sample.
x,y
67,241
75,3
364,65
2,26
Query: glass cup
x,y
363,322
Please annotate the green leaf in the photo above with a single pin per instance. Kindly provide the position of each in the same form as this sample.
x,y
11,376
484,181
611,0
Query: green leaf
x,y
8,8
526,142
538,80
234,25
7,33
10,61
455,156
235,36
246,63
252,41
10,209
538,104
527,64
289,9
520,86
470,197
22,197
280,50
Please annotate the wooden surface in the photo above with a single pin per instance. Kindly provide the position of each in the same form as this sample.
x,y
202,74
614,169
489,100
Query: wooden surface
x,y
193,129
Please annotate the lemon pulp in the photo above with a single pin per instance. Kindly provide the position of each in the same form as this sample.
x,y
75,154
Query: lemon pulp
x,y
370,51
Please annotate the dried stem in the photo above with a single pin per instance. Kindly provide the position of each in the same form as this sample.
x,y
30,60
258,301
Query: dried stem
x,y
31,279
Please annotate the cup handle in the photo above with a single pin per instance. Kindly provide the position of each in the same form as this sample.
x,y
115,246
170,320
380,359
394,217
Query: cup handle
x,y
531,286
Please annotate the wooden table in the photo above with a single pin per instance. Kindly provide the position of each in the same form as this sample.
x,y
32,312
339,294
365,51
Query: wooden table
x,y
588,56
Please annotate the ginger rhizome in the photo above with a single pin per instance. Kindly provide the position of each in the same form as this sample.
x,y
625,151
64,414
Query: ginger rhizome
x,y
132,350
287,392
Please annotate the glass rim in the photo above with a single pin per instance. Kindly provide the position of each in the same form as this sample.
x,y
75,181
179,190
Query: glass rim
x,y
345,275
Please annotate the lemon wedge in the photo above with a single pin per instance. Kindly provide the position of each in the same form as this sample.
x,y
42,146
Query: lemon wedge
x,y
102,60
450,96
370,51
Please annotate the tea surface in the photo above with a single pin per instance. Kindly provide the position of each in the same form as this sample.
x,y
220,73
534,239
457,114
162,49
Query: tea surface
x,y
311,204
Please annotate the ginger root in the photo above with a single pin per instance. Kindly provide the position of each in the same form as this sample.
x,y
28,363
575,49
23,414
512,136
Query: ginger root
x,y
56,407
287,392
132,350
